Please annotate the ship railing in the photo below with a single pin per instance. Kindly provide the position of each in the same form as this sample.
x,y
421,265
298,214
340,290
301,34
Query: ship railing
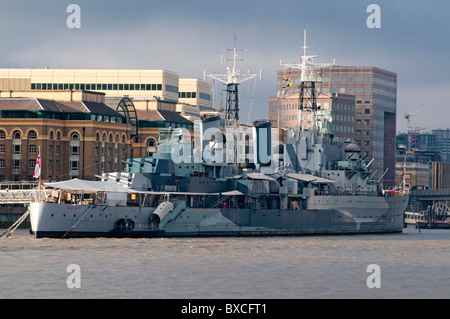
x,y
216,201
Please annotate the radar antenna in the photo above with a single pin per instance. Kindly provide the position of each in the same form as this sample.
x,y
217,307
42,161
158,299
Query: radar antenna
x,y
232,79
307,106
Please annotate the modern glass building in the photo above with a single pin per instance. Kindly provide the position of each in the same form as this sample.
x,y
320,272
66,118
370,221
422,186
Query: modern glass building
x,y
375,92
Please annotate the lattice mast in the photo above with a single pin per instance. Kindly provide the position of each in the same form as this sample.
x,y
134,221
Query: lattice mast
x,y
232,79
307,106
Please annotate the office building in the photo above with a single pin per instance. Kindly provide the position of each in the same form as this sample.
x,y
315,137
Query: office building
x,y
141,85
283,112
375,92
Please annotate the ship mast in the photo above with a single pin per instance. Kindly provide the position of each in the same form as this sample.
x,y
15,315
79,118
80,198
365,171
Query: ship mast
x,y
232,79
307,106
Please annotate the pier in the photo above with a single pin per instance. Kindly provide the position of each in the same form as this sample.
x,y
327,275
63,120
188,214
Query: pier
x,y
14,200
429,209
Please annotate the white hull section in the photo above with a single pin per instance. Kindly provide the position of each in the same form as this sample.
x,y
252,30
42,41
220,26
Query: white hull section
x,y
52,217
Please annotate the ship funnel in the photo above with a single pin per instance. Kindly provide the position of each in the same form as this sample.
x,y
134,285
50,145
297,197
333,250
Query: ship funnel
x,y
262,143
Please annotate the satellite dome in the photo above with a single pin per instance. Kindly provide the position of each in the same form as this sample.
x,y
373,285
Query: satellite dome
x,y
353,147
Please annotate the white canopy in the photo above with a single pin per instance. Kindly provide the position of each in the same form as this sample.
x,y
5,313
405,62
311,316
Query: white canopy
x,y
259,176
309,178
80,185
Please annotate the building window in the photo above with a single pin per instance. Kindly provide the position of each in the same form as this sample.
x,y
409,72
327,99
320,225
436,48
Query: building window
x,y
58,136
32,149
57,164
50,149
57,150
74,165
2,163
50,164
367,111
150,147
2,135
50,137
16,164
367,122
17,135
74,137
74,150
367,101
17,149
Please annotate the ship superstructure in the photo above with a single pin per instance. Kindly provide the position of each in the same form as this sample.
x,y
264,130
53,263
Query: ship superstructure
x,y
236,181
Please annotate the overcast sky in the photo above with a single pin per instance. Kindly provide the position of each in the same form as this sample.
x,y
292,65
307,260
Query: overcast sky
x,y
188,37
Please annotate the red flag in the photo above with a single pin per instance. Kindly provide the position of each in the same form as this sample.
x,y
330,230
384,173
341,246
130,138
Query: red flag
x,y
37,169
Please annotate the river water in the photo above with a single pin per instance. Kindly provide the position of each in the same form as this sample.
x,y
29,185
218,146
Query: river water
x,y
412,264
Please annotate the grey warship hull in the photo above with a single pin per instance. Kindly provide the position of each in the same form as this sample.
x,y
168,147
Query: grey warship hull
x,y
223,222
269,222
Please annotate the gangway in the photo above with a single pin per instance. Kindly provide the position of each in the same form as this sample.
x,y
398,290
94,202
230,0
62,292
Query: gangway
x,y
21,193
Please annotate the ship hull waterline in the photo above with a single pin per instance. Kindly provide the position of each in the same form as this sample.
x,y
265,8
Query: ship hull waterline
x,y
57,221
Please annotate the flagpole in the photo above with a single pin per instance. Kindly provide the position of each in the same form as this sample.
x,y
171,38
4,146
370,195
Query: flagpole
x,y
39,171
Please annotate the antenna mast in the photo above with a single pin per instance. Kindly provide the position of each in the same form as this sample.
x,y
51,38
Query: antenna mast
x,y
232,79
307,98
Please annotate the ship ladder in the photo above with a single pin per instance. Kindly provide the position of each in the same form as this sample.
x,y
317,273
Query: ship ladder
x,y
75,225
16,224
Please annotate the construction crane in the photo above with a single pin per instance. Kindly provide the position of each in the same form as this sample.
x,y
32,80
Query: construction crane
x,y
408,117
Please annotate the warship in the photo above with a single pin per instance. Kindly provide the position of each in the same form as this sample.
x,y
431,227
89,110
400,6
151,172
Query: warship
x,y
232,180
